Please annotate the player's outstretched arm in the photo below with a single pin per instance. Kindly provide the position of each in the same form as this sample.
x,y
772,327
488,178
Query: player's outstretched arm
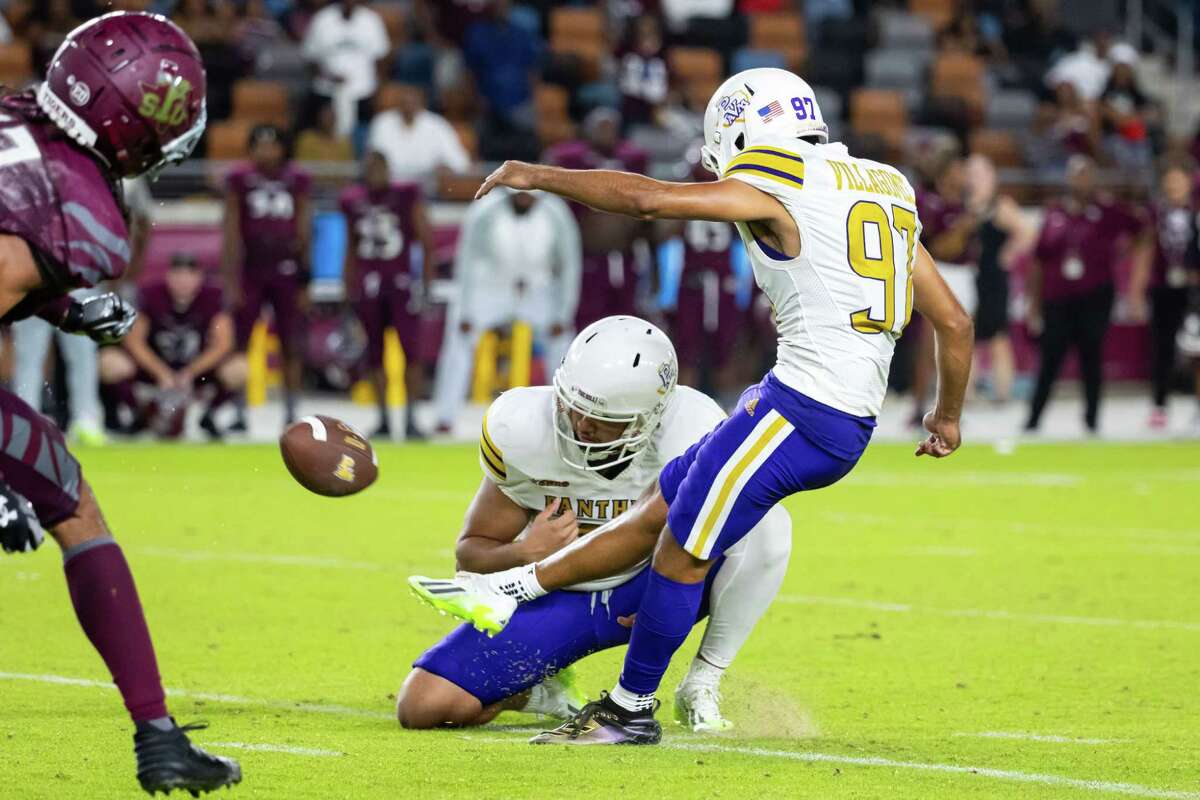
x,y
954,335
645,198
488,542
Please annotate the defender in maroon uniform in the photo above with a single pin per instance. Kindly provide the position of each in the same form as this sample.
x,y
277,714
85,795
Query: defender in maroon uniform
x,y
268,231
1071,284
123,96
609,283
178,351
383,220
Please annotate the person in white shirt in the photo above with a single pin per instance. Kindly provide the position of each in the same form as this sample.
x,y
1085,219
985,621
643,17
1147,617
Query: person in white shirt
x,y
346,43
416,142
519,258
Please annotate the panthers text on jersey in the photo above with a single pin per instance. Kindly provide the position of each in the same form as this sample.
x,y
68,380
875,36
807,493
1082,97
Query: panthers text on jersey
x,y
842,303
517,451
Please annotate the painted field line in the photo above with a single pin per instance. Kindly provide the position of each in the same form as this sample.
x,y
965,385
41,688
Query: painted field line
x,y
273,748
984,613
1039,737
1044,779
211,697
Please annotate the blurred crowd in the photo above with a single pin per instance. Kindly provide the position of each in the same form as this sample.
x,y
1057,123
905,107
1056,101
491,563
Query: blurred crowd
x,y
1053,193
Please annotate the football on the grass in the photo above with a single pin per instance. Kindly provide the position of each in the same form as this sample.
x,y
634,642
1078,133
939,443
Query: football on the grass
x,y
328,457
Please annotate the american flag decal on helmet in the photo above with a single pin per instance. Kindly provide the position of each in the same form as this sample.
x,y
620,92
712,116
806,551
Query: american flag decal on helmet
x,y
770,111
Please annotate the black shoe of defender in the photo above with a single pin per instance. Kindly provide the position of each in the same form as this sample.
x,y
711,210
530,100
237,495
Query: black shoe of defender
x,y
209,426
605,722
167,760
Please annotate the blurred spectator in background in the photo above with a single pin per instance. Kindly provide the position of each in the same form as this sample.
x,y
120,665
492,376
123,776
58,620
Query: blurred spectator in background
x,y
1003,235
265,252
610,270
505,59
57,19
642,72
417,143
1086,68
177,352
384,220
31,345
16,21
347,46
1066,126
322,142
1166,271
256,31
517,260
211,25
1070,284
1126,113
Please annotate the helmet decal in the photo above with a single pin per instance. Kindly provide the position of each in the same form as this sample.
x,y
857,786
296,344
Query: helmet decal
x,y
166,101
668,373
732,108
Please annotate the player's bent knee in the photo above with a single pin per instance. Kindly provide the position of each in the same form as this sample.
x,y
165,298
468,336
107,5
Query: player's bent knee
x,y
430,701
232,372
115,365
85,524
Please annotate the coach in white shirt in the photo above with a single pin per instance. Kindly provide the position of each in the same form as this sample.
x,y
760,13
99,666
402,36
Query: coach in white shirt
x,y
519,258
416,142
346,43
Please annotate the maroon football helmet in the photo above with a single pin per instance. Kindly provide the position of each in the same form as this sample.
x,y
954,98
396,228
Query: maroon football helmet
x,y
129,86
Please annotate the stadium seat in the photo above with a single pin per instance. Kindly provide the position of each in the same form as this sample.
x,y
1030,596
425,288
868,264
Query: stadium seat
x,y
879,112
901,30
16,63
749,58
1013,109
689,64
830,103
960,75
550,101
261,102
894,69
783,33
700,92
939,12
1000,146
227,139
576,23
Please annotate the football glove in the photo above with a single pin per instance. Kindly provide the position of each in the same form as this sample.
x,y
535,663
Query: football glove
x,y
20,531
104,318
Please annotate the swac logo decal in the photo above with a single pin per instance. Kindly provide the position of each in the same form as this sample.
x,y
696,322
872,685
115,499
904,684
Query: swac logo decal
x,y
667,373
166,102
731,108
345,469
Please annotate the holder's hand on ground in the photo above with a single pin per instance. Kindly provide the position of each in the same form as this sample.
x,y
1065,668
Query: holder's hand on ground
x,y
944,437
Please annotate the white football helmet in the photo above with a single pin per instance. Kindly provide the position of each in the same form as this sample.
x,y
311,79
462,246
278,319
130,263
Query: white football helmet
x,y
618,369
755,103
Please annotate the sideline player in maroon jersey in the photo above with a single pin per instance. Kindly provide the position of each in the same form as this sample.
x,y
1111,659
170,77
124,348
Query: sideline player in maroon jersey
x,y
383,219
123,96
268,231
177,351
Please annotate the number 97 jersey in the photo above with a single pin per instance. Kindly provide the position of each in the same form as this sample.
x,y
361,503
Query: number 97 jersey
x,y
842,303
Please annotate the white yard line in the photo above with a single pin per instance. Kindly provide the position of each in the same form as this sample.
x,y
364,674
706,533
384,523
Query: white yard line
x,y
273,748
985,613
1039,737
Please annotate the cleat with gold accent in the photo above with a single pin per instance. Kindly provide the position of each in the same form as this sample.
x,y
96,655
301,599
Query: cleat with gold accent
x,y
604,722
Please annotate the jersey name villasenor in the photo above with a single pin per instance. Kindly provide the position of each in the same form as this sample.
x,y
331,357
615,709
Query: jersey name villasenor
x,y
842,303
517,452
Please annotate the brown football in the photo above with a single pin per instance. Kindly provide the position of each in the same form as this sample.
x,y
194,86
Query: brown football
x,y
328,457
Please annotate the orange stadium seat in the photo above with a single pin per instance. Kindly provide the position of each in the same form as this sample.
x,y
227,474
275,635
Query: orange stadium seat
x,y
580,32
550,101
1000,146
880,112
939,12
688,64
16,63
699,92
551,131
227,139
261,101
960,75
783,33
393,19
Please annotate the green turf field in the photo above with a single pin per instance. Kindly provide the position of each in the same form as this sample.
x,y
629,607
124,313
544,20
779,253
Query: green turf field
x,y
987,626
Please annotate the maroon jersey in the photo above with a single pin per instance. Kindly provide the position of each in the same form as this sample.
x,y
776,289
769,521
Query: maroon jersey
x,y
643,81
267,217
382,223
1176,245
938,215
1079,246
59,200
178,335
707,248
580,155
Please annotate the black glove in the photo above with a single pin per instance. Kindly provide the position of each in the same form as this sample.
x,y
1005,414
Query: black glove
x,y
20,531
105,318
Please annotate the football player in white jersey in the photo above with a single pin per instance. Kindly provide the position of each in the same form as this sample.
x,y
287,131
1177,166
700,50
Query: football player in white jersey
x,y
834,244
557,463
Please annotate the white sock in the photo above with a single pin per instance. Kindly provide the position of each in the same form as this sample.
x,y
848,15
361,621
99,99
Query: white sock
x,y
519,583
631,701
703,673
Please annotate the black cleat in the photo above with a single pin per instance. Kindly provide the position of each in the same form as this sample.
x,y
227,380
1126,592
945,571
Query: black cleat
x,y
382,433
604,722
238,425
209,426
166,761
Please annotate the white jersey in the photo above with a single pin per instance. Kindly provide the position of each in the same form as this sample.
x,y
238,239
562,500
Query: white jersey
x,y
842,303
517,452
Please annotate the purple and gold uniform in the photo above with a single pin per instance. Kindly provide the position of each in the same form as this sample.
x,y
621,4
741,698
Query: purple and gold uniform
x,y
707,319
58,200
608,285
272,266
381,225
178,335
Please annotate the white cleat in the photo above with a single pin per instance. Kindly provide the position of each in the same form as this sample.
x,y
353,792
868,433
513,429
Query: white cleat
x,y
699,708
468,596
558,696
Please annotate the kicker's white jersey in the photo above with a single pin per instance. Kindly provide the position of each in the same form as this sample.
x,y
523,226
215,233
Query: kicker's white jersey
x,y
842,303
517,452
